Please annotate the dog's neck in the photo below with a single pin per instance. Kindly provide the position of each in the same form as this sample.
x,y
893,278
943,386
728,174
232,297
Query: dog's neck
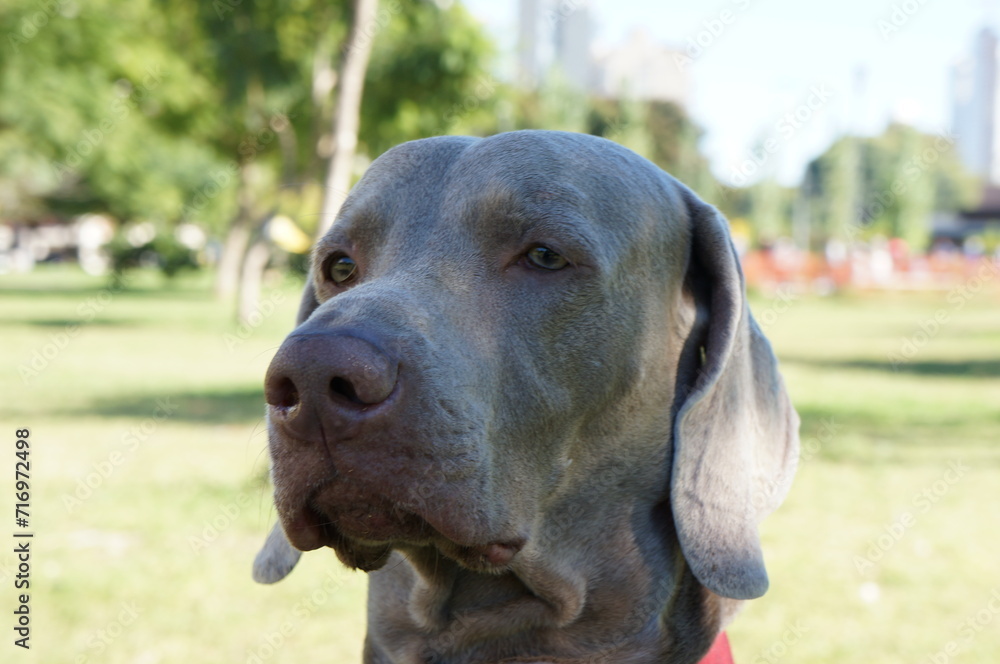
x,y
553,605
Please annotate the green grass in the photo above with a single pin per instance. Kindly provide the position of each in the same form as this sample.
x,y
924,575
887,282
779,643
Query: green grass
x,y
877,436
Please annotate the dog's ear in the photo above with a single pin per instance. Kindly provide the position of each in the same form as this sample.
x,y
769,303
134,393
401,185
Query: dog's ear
x,y
277,557
308,303
735,437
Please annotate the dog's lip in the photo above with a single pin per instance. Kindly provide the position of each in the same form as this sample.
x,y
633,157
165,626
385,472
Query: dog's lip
x,y
307,530
380,521
492,557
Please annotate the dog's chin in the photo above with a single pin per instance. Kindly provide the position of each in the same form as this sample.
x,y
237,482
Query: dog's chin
x,y
363,532
308,529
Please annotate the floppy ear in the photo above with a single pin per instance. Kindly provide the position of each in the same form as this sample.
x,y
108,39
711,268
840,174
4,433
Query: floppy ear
x,y
308,303
277,557
735,439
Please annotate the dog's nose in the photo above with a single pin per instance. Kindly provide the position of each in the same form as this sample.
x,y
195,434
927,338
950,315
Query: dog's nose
x,y
319,379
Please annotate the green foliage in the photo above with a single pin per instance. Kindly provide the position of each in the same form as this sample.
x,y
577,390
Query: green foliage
x,y
893,182
675,139
219,113
96,108
663,133
180,110
163,251
428,75
770,216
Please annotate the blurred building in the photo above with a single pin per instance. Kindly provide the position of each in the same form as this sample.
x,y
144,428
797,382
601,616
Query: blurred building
x,y
558,35
528,29
974,89
574,35
642,68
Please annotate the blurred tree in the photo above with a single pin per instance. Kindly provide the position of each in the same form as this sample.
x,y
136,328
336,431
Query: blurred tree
x,y
557,105
769,213
662,132
216,112
842,184
914,207
902,176
98,112
270,65
344,130
276,64
631,127
675,145
429,75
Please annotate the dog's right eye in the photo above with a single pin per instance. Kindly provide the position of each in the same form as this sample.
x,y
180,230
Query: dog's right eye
x,y
341,269
546,259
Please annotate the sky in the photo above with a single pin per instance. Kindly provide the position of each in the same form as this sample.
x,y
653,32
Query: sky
x,y
858,63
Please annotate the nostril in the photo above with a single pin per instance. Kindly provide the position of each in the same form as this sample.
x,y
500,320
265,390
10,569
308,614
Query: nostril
x,y
282,393
344,388
319,374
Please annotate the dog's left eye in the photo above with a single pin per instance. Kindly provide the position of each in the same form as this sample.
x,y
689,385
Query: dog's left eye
x,y
546,259
342,269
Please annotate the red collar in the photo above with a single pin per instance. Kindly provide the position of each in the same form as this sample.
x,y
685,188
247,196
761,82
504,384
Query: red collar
x,y
720,652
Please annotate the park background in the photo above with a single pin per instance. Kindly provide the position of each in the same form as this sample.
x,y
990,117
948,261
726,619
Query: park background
x,y
164,165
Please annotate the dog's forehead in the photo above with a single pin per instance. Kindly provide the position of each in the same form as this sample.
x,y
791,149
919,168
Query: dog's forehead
x,y
522,176
550,169
542,165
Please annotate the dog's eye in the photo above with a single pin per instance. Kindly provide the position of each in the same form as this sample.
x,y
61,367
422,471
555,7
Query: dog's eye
x,y
342,269
546,259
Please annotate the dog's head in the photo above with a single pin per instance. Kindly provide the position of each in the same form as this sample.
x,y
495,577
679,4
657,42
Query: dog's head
x,y
492,327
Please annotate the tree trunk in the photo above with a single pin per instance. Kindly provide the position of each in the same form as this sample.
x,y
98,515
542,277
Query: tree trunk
x,y
347,115
234,247
251,279
231,259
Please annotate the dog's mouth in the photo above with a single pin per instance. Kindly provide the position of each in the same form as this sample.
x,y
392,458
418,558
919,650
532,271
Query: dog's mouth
x,y
363,527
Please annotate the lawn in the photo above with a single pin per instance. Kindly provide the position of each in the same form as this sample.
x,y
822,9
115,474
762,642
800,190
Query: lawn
x,y
150,497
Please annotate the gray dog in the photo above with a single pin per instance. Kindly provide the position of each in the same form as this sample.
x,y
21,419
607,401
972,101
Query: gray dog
x,y
526,394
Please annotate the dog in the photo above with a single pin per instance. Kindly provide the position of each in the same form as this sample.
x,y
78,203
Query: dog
x,y
527,395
